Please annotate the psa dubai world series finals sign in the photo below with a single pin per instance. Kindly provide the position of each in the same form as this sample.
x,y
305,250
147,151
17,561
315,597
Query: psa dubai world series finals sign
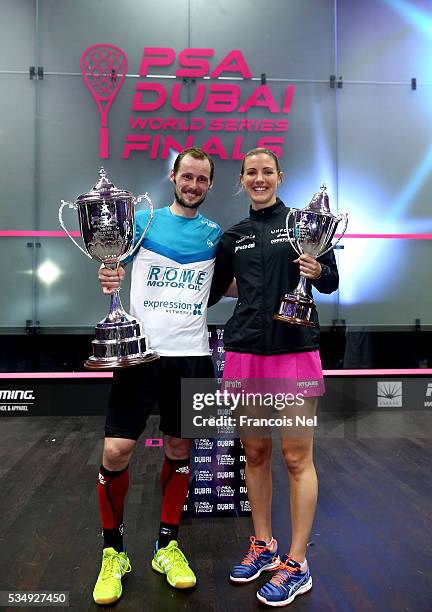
x,y
199,114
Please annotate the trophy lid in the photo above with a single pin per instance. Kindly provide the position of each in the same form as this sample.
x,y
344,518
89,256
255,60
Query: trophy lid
x,y
320,202
103,189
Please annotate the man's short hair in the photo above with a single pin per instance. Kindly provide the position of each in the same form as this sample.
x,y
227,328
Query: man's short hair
x,y
196,154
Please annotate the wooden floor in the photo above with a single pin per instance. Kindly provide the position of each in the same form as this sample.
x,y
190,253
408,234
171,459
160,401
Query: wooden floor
x,y
370,549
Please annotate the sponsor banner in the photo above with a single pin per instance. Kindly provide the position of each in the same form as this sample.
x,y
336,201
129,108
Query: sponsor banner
x,y
376,393
345,399
160,112
217,484
428,396
389,394
17,400
45,397
217,351
376,407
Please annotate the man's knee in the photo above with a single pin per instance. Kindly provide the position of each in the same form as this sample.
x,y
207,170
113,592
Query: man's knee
x,y
117,453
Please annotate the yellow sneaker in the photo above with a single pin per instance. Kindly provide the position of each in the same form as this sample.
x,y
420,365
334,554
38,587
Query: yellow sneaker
x,y
172,562
108,587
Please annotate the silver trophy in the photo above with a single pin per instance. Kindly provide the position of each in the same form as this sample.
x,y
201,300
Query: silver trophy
x,y
313,228
106,219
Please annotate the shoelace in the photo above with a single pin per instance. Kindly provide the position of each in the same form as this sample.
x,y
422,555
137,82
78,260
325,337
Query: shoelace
x,y
109,567
175,554
253,553
280,576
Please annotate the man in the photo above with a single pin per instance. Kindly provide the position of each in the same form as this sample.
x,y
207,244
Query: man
x,y
170,284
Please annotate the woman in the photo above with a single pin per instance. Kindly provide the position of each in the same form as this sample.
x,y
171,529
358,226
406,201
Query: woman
x,y
257,253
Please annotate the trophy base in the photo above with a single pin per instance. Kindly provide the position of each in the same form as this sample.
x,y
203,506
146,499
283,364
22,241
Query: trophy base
x,y
294,320
296,309
116,363
119,345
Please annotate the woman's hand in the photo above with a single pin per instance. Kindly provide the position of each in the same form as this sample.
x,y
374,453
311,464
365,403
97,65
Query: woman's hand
x,y
309,266
110,279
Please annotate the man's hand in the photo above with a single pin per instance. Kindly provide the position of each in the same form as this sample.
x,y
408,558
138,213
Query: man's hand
x,y
309,266
110,279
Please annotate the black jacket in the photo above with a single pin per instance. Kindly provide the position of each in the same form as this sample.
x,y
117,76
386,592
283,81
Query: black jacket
x,y
257,252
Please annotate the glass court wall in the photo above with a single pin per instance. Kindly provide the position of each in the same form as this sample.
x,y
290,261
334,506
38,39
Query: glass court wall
x,y
359,120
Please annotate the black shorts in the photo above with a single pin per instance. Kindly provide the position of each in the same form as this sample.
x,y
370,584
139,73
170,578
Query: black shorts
x,y
137,389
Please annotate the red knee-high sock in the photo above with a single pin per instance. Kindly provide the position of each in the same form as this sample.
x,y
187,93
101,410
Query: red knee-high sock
x,y
175,484
112,490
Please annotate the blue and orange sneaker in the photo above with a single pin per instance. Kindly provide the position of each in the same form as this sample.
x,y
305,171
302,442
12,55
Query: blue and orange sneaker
x,y
288,582
259,558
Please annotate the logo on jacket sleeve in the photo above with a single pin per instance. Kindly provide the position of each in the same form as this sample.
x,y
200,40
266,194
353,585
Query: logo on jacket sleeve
x,y
209,223
241,245
243,238
244,247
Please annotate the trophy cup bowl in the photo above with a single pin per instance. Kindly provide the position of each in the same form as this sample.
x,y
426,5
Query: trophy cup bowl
x,y
313,229
106,220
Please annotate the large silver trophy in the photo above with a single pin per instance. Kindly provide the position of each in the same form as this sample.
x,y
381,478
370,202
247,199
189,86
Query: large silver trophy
x,y
313,228
106,219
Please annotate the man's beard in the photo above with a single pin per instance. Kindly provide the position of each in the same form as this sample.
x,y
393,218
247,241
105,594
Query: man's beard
x,y
185,204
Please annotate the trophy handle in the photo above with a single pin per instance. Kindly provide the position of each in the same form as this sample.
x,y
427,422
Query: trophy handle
x,y
138,244
343,216
60,214
293,244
